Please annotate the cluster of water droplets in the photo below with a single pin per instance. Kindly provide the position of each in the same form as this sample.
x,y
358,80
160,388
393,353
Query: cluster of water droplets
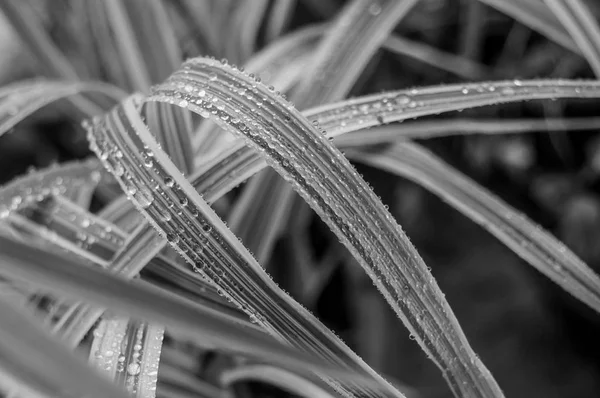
x,y
129,352
36,186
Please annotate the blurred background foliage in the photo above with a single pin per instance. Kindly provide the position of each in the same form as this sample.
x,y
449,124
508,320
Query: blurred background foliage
x,y
534,337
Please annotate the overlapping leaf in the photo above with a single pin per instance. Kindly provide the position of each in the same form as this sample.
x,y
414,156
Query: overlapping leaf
x,y
300,153
187,222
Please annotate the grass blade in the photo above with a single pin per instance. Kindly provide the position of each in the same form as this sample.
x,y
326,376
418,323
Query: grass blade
x,y
583,27
429,55
156,51
154,33
248,16
19,100
300,153
127,45
532,243
450,127
362,27
281,14
37,186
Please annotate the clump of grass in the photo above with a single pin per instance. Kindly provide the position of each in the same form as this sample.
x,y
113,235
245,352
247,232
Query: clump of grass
x,y
126,254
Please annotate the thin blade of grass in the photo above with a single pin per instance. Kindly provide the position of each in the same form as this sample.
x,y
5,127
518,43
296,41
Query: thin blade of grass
x,y
339,59
299,152
155,37
527,239
203,240
248,17
201,17
64,277
19,100
24,343
35,187
583,27
362,27
473,31
281,14
126,43
247,216
157,49
450,127
457,65
536,15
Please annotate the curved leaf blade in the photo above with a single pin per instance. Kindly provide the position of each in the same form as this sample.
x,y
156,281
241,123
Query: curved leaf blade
x,y
532,243
300,153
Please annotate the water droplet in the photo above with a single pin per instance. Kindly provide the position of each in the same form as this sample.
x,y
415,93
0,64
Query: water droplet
x,y
212,76
169,182
144,197
133,369
375,9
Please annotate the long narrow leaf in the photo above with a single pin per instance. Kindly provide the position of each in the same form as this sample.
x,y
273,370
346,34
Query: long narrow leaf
x,y
63,276
300,153
524,237
203,240
25,344
19,100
